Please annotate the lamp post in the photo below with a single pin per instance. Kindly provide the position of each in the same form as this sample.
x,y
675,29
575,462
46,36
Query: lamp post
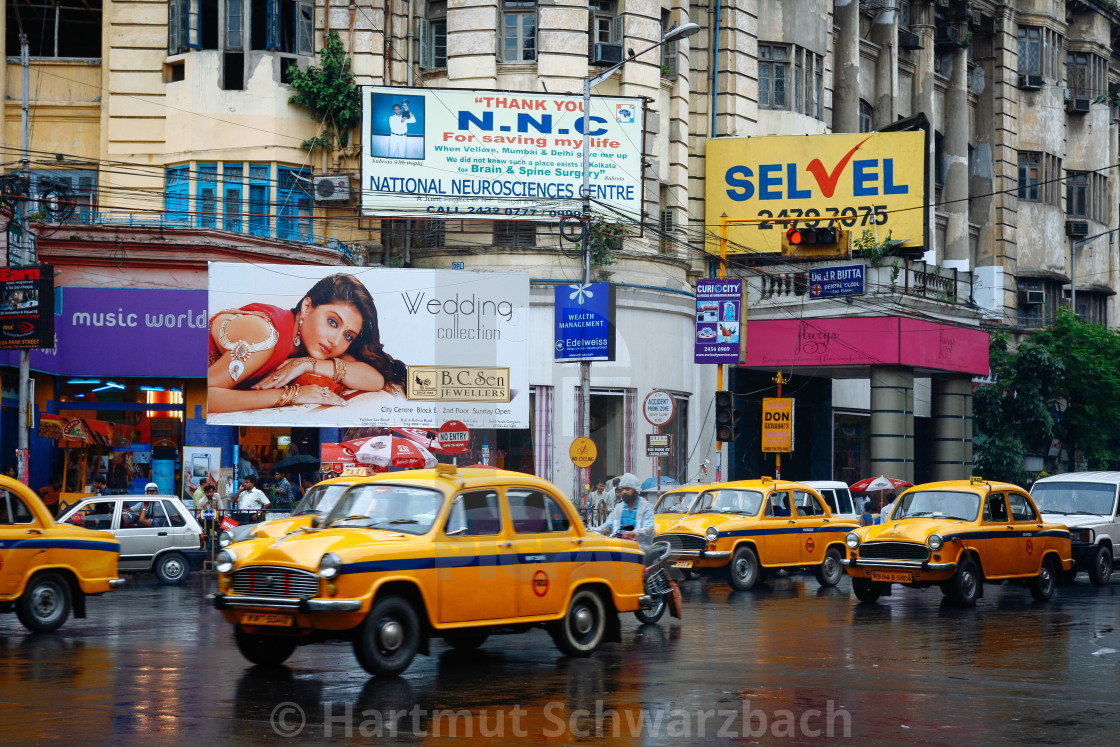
x,y
673,34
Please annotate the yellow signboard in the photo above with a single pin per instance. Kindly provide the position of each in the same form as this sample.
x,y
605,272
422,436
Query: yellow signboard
x,y
854,182
458,384
777,424
583,452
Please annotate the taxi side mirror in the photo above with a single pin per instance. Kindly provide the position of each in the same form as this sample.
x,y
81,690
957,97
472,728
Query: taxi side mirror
x,y
456,532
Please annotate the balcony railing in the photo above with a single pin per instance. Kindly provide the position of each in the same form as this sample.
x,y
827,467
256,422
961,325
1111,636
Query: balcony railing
x,y
899,276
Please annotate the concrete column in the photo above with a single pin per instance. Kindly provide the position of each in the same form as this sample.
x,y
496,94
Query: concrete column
x,y
956,178
845,102
884,32
923,95
951,411
892,422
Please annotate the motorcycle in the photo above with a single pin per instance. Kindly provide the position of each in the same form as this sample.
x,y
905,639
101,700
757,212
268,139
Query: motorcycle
x,y
660,588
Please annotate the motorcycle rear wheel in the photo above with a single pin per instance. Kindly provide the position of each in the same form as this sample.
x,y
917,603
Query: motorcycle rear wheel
x,y
650,615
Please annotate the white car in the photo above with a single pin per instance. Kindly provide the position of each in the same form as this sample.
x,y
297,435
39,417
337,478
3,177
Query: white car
x,y
1086,503
838,497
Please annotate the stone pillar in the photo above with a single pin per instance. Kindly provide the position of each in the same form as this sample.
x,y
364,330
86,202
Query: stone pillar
x,y
884,32
892,422
955,198
471,47
845,101
951,411
923,96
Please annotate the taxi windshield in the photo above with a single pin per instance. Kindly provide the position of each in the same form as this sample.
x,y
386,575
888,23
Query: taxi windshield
x,y
674,503
320,499
937,504
725,501
399,508
1086,498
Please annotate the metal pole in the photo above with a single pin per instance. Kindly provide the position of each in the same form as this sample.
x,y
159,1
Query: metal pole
x,y
585,366
719,366
1073,276
25,243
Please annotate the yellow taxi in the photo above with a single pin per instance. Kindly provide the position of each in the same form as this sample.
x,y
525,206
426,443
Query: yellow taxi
x,y
318,501
959,535
746,529
48,569
405,557
674,505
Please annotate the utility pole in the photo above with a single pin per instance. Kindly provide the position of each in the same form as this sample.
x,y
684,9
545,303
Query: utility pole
x,y
25,243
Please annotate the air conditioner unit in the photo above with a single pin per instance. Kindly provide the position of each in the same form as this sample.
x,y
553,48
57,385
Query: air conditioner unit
x,y
606,55
1077,228
1030,82
948,36
909,40
1032,297
332,187
1078,105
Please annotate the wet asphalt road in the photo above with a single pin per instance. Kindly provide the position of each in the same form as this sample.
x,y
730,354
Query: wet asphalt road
x,y
152,664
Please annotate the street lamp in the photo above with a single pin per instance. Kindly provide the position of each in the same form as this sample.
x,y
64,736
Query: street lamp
x,y
673,34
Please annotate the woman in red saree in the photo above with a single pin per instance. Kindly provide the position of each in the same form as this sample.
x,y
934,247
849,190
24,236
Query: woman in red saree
x,y
264,356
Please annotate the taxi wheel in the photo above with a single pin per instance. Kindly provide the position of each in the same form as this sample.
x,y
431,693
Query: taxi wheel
x,y
389,638
743,573
263,650
465,640
1042,586
867,590
1100,570
581,631
45,603
172,569
830,571
966,584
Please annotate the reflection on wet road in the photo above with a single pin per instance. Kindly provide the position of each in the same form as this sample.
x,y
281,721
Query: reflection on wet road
x,y
788,659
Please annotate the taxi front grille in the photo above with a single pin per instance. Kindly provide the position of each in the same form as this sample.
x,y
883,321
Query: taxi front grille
x,y
270,581
893,551
683,541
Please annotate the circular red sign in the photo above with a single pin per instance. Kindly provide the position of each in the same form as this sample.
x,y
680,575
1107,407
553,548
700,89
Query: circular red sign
x,y
1030,547
453,437
809,544
540,583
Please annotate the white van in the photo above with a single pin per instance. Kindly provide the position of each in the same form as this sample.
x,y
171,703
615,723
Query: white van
x,y
1086,503
837,496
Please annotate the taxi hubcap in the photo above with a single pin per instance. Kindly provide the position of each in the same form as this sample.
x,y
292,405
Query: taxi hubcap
x,y
45,601
390,634
582,620
968,583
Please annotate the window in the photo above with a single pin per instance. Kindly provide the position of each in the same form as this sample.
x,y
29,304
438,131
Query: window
x,y
808,82
433,234
63,194
234,24
55,29
475,514
174,518
13,510
666,226
97,515
1021,510
231,197
1086,75
1039,50
604,25
533,512
670,53
293,209
277,25
866,113
259,184
995,508
177,196
178,25
433,36
1038,174
207,195
515,233
777,504
807,504
773,76
147,514
1045,307
519,30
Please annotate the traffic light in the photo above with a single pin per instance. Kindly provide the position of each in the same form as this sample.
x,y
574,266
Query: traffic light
x,y
825,241
727,417
802,236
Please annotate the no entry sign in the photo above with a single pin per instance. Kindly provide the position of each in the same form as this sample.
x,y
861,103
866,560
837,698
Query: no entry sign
x,y
453,437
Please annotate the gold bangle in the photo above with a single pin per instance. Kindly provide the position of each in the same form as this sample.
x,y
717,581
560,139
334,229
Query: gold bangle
x,y
339,371
312,361
288,397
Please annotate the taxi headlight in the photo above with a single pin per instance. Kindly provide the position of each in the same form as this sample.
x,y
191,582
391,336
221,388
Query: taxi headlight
x,y
852,540
712,534
224,562
935,542
225,539
329,566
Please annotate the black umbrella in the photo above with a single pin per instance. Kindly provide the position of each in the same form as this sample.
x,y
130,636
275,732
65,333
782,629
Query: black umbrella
x,y
297,463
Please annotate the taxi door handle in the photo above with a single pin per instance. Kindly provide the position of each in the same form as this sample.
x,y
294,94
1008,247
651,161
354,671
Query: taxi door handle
x,y
34,531
578,540
505,544
791,521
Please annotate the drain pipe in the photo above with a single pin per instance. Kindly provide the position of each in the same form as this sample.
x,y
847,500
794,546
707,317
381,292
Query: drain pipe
x,y
715,63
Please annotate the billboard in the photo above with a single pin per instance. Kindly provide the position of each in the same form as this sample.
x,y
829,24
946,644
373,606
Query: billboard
x,y
777,425
584,319
720,313
450,153
26,307
297,345
855,182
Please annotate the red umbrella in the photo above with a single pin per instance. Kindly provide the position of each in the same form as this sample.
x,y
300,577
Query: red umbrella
x,y
393,451
422,436
872,484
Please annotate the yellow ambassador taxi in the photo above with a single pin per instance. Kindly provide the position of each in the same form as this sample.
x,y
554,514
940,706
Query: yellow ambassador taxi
x,y
745,529
439,553
674,505
958,535
318,501
48,569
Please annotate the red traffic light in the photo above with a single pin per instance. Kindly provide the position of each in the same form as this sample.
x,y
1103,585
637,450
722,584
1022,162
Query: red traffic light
x,y
800,236
794,236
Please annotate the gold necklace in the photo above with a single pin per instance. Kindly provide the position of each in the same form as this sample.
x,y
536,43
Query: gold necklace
x,y
241,350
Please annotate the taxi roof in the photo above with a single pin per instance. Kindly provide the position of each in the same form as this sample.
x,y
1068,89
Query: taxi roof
x,y
454,477
978,486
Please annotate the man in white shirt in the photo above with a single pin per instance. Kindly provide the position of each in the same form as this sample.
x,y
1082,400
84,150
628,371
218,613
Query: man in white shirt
x,y
398,127
250,498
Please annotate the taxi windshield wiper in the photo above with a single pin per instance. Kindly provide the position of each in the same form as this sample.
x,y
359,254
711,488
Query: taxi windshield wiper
x,y
918,514
733,511
1078,513
356,517
396,521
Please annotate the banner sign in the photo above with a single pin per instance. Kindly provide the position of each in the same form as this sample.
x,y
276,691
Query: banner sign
x,y
777,424
836,281
26,307
659,444
411,347
497,155
584,317
720,309
854,182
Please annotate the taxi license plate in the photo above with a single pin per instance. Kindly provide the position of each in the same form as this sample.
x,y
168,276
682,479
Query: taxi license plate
x,y
892,577
266,618
683,564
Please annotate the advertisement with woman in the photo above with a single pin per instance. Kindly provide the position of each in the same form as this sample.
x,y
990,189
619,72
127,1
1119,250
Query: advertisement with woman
x,y
299,345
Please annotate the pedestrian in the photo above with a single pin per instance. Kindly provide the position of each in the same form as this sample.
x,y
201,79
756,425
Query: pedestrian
x,y
199,493
100,485
865,517
596,502
10,471
250,498
284,493
51,495
886,509
210,500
